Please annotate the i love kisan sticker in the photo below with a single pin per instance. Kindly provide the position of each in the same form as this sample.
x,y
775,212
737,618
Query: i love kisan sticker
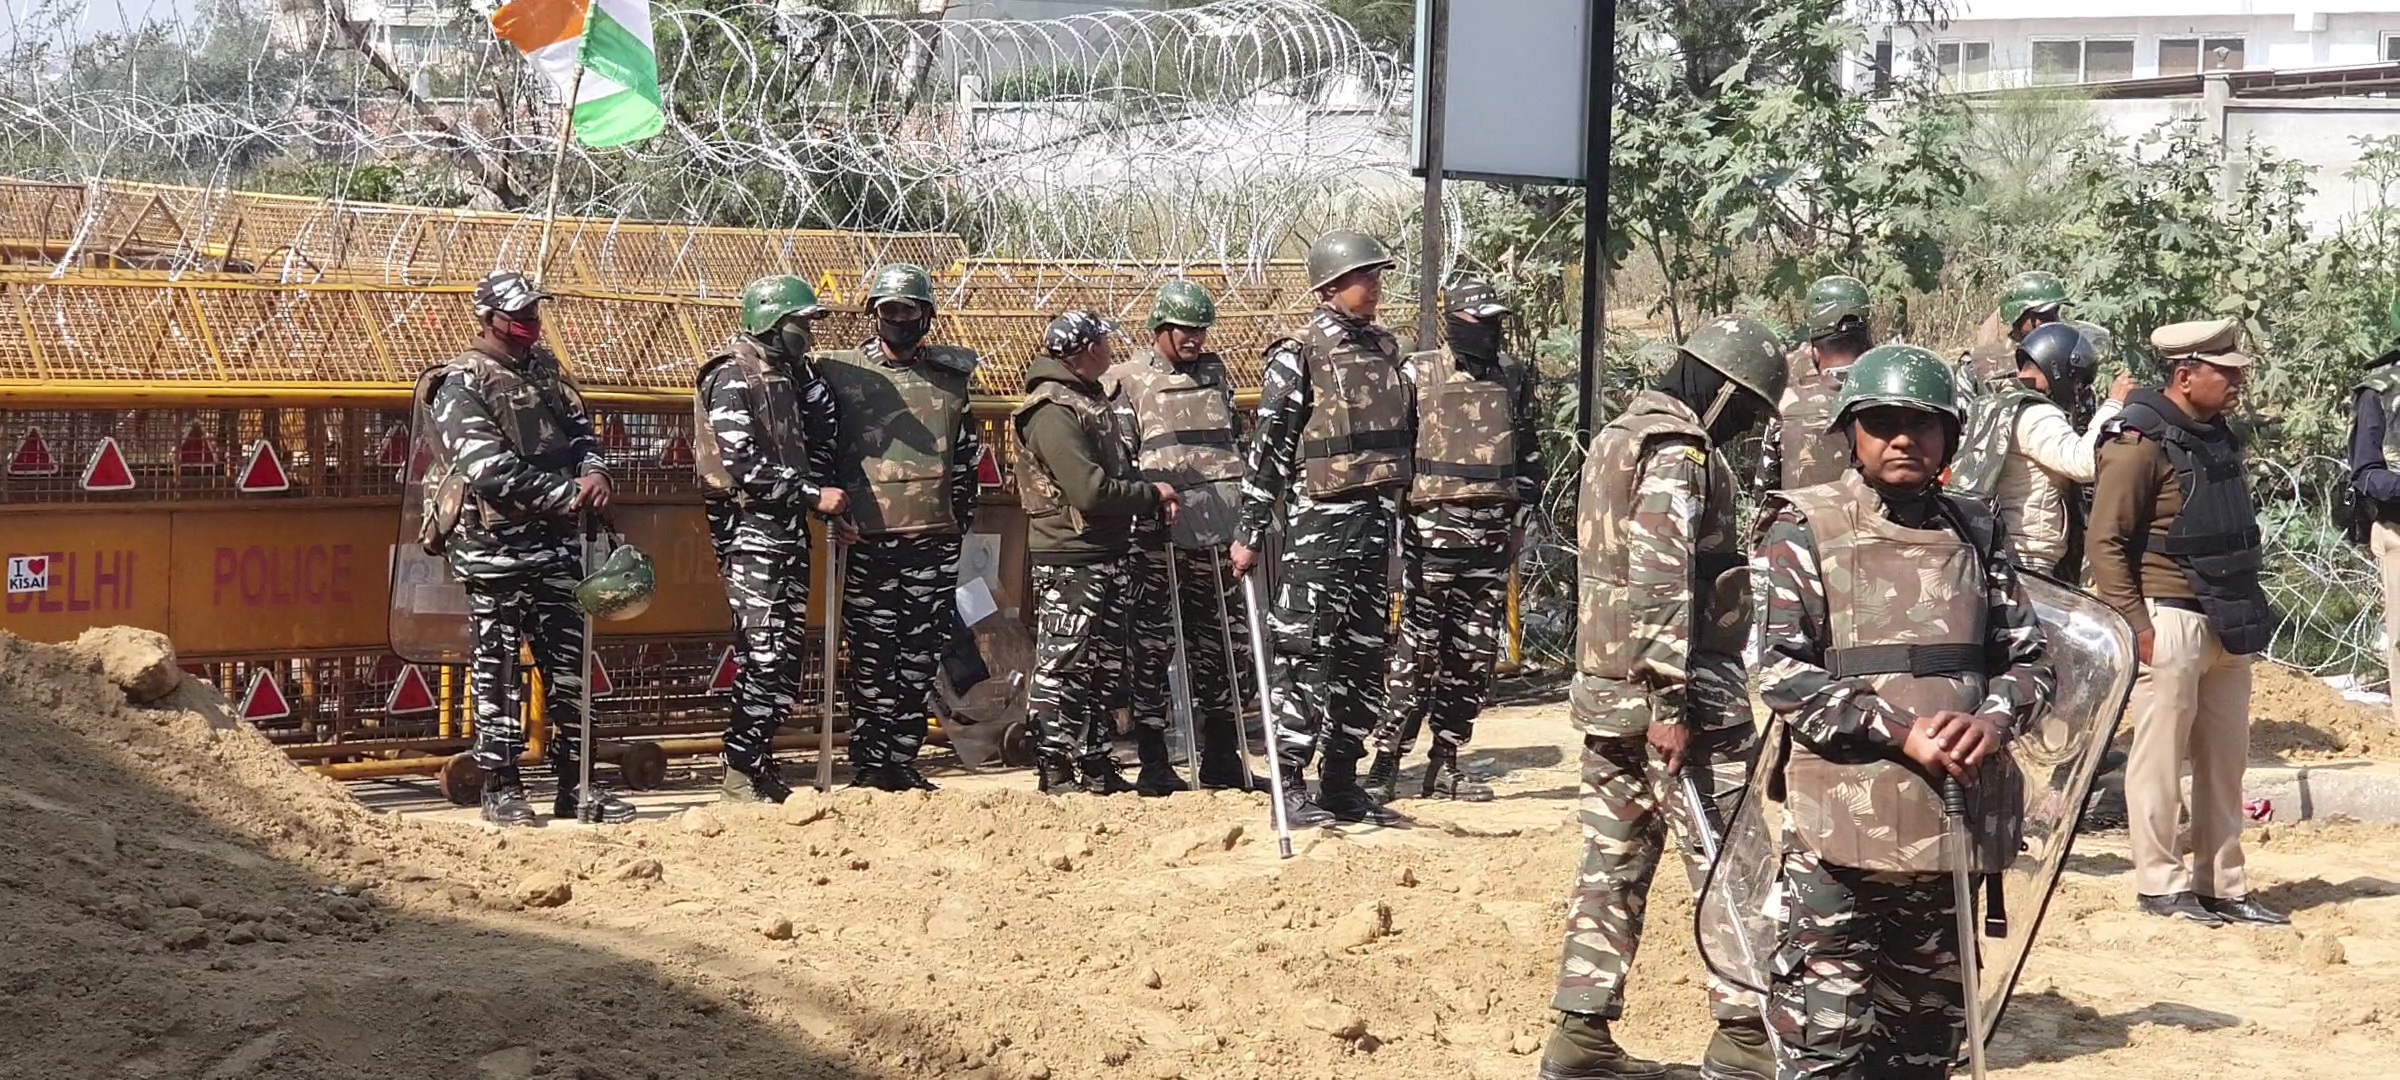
x,y
28,573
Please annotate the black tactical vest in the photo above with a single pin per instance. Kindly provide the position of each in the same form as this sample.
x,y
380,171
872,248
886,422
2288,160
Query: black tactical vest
x,y
2215,539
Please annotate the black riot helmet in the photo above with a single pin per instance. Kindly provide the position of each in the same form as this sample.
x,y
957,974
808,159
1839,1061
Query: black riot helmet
x,y
2062,354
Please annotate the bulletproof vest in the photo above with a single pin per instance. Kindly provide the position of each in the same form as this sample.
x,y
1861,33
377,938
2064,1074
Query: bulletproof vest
x,y
898,424
1606,642
1357,436
1037,488
1905,609
2215,539
1986,440
773,400
531,408
1466,433
1184,432
1811,453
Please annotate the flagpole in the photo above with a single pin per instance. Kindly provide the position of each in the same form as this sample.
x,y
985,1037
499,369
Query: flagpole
x,y
558,166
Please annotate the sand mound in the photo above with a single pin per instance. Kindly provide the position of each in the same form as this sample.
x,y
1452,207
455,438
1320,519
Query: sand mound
x,y
2297,717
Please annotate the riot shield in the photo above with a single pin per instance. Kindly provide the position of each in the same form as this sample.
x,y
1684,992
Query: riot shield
x,y
977,719
427,619
2057,755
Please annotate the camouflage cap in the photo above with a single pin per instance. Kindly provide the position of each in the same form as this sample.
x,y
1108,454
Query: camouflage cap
x,y
1744,350
506,292
2217,341
1074,332
1903,375
1473,297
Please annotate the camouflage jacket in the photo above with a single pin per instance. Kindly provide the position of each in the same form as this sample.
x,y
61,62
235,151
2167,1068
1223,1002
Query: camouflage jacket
x,y
771,499
516,519
1274,481
1844,716
1479,533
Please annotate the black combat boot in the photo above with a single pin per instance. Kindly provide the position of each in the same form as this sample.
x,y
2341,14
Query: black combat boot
x,y
1300,811
1383,777
1056,776
1581,1048
1445,780
504,801
1221,767
606,809
1738,1051
1100,775
755,783
905,777
1346,801
871,776
1157,779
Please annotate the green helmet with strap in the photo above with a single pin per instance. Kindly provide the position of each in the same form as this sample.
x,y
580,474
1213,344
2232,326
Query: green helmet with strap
x,y
770,300
2032,291
1341,251
1833,301
1745,350
901,281
1182,303
1903,375
622,588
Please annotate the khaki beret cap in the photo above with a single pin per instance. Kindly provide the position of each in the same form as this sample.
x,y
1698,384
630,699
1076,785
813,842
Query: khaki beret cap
x,y
2217,341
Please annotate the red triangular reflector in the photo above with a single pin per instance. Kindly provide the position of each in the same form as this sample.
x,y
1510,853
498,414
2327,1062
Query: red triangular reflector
x,y
107,470
395,446
264,700
409,694
195,452
602,685
612,435
265,472
677,454
722,681
32,457
987,469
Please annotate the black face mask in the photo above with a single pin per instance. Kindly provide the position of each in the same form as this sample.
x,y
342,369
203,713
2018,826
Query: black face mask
x,y
1477,339
791,342
903,336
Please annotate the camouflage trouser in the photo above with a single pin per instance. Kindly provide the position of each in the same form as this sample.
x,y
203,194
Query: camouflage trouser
x,y
769,597
1213,708
1442,668
505,613
1865,982
1332,624
894,595
1079,651
1628,808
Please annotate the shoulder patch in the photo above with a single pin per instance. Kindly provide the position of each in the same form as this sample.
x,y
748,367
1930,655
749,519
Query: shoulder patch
x,y
1697,455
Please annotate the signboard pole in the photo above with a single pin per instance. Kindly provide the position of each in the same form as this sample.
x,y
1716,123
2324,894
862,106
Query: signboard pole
x,y
1600,81
1431,80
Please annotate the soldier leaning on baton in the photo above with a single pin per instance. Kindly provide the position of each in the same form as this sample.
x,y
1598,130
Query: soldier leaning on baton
x,y
1664,611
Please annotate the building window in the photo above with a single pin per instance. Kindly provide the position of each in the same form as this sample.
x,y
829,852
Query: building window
x,y
2095,60
2193,55
2391,47
1963,65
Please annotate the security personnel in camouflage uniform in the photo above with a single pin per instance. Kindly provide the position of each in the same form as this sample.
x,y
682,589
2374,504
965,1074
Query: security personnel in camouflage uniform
x,y
1659,687
1082,497
2031,299
1800,449
1176,403
512,426
1898,649
1332,457
764,453
1478,469
908,451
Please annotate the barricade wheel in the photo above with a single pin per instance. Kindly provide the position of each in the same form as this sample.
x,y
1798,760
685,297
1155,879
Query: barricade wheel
x,y
643,766
462,781
1016,745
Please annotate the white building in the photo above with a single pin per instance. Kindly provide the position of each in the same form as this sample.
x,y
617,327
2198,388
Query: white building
x,y
1990,44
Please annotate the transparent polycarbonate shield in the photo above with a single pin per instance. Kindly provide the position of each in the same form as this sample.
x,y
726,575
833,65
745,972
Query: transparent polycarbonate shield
x,y
977,719
427,619
2058,755
1208,514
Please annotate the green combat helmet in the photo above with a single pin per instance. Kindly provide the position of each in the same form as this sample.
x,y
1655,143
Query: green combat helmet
x,y
2037,291
621,589
1744,350
1341,251
1903,375
770,300
901,281
1182,303
1833,301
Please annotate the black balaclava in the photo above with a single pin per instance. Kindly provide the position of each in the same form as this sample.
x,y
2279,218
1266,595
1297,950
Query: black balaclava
x,y
790,340
1700,387
1475,339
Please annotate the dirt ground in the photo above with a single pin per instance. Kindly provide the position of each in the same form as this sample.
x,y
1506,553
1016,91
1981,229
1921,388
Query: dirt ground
x,y
177,901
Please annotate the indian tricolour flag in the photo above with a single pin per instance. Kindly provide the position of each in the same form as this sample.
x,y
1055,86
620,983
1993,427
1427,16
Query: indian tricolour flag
x,y
617,100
